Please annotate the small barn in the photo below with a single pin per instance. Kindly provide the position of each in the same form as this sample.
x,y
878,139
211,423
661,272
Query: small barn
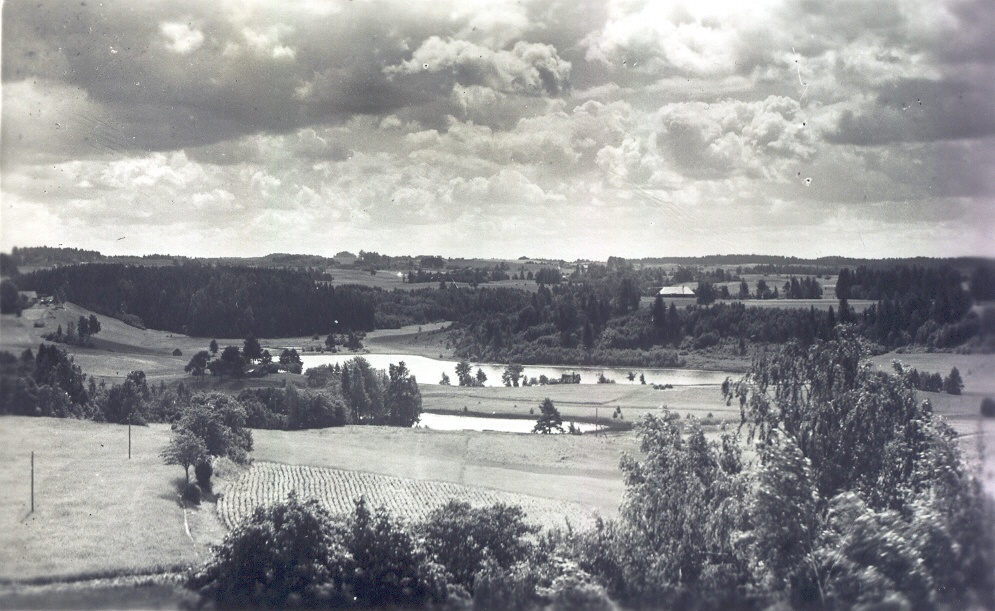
x,y
677,291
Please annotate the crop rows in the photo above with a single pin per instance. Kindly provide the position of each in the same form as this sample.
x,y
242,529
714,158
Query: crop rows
x,y
410,499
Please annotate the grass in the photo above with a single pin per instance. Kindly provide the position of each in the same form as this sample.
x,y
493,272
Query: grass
x,y
129,592
577,402
574,469
406,498
976,370
96,512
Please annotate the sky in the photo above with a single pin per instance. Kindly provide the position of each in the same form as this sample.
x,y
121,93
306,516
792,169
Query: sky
x,y
500,128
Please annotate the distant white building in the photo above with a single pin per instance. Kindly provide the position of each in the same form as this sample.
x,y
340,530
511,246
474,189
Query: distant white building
x,y
676,291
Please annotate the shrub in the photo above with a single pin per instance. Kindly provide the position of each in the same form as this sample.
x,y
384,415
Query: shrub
x,y
204,471
392,569
496,588
706,340
287,555
988,407
574,589
461,538
191,493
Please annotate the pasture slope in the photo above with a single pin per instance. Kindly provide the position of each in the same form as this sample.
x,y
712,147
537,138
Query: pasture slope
x,y
106,532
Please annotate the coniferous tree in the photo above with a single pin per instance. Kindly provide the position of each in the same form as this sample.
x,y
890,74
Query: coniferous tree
x,y
549,420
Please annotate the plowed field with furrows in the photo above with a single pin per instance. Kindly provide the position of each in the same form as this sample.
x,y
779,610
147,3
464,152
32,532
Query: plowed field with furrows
x,y
337,490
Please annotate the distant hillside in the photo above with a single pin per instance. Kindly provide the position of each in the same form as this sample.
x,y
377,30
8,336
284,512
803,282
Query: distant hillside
x,y
210,300
47,256
830,263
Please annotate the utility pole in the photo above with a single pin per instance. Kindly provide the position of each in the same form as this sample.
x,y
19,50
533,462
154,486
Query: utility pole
x,y
32,481
129,437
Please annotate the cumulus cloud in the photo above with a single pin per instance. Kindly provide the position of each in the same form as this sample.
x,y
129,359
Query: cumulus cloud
x,y
526,68
755,138
181,38
690,125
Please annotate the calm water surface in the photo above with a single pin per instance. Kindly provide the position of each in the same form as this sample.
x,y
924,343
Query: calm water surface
x,y
429,371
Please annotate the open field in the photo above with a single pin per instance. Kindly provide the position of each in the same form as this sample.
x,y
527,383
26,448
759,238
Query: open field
x,y
108,516
409,499
575,469
159,591
95,510
119,348
578,402
977,370
430,341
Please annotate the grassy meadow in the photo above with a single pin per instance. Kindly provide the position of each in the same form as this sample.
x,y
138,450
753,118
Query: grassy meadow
x,y
96,512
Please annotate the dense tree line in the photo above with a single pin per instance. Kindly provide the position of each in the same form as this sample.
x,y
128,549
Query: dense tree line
x,y
922,305
468,275
942,285
44,256
10,299
594,316
806,288
859,497
49,383
212,301
930,382
578,324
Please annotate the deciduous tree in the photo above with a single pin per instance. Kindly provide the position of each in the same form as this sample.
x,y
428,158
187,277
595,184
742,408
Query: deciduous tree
x,y
185,449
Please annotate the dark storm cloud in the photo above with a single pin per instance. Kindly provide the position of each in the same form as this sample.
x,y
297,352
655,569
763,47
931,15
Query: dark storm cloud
x,y
189,74
498,121
920,110
970,36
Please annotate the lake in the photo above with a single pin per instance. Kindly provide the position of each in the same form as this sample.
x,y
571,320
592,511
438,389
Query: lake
x,y
450,422
429,371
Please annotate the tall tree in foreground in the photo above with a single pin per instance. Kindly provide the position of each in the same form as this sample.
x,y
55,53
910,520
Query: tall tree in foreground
x,y
867,456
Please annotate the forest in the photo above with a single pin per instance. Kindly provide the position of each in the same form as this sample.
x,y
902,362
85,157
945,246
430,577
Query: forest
x,y
592,316
202,300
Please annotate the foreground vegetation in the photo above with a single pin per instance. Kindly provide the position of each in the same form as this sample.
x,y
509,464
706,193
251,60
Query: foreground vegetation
x,y
858,497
